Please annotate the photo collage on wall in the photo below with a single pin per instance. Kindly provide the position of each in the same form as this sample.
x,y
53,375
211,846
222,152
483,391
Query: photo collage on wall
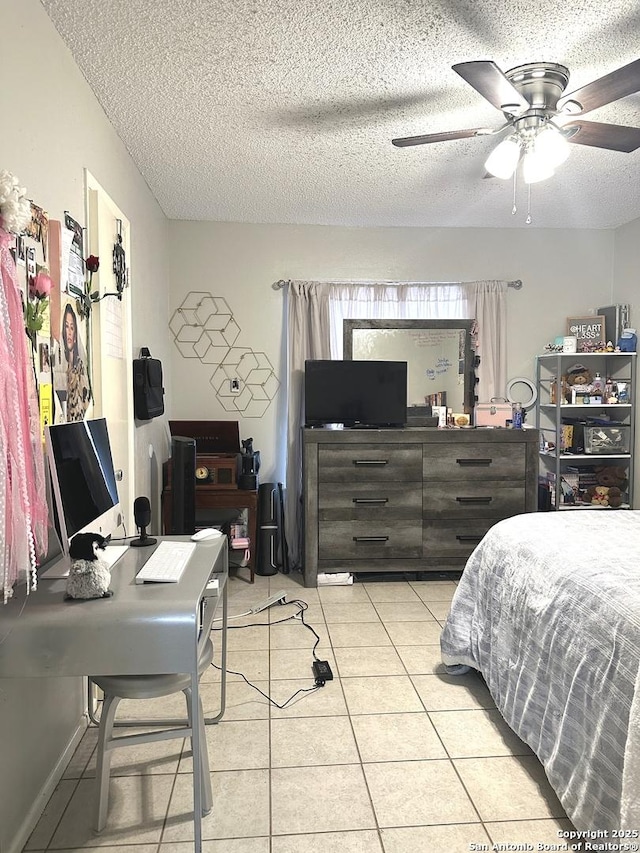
x,y
50,269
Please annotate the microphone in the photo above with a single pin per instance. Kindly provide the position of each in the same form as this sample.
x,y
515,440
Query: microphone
x,y
142,517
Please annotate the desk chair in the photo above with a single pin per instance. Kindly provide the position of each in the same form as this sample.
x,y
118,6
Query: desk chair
x,y
117,687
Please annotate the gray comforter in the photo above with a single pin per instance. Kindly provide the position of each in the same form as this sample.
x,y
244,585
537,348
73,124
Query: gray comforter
x,y
548,611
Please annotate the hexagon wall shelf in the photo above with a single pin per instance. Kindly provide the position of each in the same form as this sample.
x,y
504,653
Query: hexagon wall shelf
x,y
204,327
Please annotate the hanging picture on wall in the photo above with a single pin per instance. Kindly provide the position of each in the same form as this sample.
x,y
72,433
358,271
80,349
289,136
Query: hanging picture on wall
x,y
71,378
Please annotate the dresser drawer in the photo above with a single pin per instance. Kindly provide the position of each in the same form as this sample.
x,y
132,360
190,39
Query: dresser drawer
x,y
361,540
460,499
449,538
482,461
366,502
369,463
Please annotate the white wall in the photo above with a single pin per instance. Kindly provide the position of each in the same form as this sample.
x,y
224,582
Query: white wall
x,y
563,272
626,284
53,128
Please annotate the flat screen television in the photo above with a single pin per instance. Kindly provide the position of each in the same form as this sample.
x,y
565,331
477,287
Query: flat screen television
x,y
355,393
83,479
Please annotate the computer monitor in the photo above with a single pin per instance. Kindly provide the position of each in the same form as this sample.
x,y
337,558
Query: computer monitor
x,y
83,479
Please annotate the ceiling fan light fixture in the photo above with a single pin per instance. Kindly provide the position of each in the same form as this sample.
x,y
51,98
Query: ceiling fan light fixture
x,y
535,167
552,146
503,160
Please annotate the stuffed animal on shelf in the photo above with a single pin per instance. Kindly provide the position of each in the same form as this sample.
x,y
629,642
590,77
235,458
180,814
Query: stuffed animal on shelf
x,y
605,496
578,375
612,475
89,576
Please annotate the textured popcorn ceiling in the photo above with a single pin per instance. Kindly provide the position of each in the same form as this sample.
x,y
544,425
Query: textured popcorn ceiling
x,y
283,110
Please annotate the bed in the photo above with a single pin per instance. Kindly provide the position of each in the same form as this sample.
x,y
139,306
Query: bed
x,y
548,611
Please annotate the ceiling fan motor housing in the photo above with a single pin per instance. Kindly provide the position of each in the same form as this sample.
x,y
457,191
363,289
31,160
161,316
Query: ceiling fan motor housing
x,y
540,83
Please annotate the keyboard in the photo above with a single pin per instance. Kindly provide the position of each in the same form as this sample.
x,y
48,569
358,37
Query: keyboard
x,y
167,563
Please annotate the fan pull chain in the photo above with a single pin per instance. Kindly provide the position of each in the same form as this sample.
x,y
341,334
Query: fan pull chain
x,y
514,209
528,219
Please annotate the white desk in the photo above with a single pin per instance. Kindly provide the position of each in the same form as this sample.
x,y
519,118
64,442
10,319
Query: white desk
x,y
141,629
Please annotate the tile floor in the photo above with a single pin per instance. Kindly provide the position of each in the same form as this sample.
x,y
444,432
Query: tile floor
x,y
392,756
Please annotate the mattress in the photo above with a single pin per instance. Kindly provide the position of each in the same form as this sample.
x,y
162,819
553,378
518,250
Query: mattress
x,y
548,611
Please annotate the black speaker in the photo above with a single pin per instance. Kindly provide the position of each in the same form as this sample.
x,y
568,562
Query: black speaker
x,y
183,484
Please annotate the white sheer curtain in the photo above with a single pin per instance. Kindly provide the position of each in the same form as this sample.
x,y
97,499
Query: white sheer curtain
x,y
394,302
315,313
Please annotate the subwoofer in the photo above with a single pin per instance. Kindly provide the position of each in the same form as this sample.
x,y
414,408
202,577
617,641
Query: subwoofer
x,y
183,484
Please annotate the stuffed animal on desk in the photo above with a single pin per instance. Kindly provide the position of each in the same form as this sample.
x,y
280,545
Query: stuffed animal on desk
x,y
89,576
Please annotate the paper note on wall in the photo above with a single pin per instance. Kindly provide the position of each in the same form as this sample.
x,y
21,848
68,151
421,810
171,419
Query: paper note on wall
x,y
46,406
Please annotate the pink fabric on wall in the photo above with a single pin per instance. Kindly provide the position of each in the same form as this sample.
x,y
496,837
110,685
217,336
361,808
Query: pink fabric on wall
x,y
23,507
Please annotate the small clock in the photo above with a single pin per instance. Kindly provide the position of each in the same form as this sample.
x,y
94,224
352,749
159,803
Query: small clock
x,y
202,472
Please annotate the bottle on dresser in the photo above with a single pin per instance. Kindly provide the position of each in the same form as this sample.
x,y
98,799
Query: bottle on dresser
x,y
516,416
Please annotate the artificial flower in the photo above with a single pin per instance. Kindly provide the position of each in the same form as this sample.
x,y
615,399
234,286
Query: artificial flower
x,y
92,264
15,207
40,286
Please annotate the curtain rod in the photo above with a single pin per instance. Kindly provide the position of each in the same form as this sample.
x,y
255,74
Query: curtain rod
x,y
516,284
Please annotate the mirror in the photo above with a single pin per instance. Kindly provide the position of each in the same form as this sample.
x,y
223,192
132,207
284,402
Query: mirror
x,y
439,356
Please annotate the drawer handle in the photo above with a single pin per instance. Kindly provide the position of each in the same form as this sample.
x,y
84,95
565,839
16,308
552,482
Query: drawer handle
x,y
370,538
474,461
370,461
479,500
370,500
468,538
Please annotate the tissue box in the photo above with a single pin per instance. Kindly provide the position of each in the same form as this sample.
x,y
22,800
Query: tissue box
x,y
606,439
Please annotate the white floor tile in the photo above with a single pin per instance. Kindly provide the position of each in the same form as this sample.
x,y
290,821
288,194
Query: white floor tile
x,y
407,793
509,788
476,734
137,807
358,841
356,634
359,611
403,611
241,807
421,660
398,738
320,799
307,741
452,692
381,695
391,592
327,701
451,838
234,745
369,660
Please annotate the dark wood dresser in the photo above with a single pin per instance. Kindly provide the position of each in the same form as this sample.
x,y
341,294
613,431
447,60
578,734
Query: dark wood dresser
x,y
410,500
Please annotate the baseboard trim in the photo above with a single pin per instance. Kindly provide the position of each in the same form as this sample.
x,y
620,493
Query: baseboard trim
x,y
35,812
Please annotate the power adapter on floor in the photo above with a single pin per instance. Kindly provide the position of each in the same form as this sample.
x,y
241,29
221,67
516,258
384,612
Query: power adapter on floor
x,y
322,672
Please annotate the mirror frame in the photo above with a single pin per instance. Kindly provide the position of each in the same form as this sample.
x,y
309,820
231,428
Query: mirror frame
x,y
349,326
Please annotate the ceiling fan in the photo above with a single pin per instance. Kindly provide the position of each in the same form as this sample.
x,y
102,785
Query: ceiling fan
x,y
542,120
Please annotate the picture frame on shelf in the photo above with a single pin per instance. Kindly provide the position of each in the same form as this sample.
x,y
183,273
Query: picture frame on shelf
x,y
588,331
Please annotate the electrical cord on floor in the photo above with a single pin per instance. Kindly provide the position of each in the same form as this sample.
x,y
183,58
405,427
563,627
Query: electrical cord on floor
x,y
300,613
320,682
268,698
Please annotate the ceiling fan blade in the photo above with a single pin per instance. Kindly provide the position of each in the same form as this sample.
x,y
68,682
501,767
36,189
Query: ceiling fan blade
x,y
614,137
625,81
487,79
405,141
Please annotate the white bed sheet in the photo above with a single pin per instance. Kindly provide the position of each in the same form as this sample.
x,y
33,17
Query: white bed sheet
x,y
548,611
